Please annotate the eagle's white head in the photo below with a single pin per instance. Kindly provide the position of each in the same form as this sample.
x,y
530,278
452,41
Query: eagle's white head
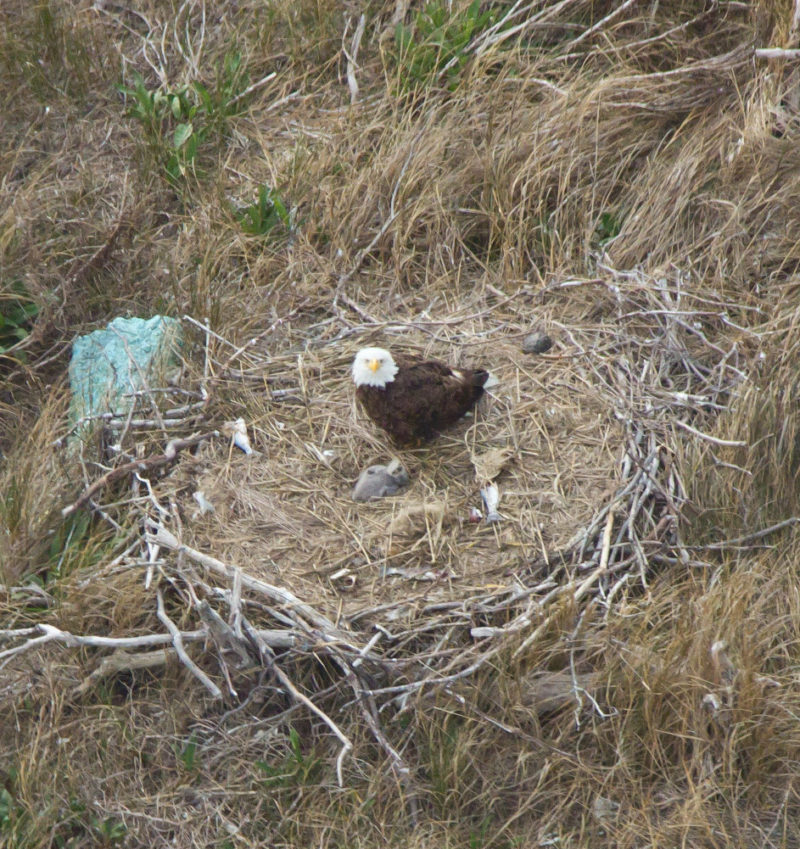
x,y
374,367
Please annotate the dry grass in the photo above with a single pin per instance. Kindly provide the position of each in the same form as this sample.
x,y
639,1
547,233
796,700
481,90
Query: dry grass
x,y
612,664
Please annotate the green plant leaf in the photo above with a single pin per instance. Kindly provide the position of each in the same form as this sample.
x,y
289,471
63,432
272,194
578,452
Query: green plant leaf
x,y
183,133
204,95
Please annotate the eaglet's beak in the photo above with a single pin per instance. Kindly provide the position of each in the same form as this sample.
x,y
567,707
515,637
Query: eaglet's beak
x,y
373,365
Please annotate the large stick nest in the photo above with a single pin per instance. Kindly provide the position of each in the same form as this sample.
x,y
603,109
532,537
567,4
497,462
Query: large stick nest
x,y
637,204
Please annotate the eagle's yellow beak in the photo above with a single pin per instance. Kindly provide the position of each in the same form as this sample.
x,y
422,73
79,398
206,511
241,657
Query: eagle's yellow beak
x,y
373,365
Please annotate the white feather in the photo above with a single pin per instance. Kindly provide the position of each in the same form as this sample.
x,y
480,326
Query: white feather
x,y
364,375
491,498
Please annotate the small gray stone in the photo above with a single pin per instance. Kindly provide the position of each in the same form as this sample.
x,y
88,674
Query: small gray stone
x,y
537,343
380,481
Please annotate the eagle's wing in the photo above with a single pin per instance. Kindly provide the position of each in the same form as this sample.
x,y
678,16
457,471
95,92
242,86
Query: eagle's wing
x,y
432,394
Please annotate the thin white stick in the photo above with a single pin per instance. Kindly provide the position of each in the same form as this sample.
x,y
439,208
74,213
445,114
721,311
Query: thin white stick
x,y
250,89
159,534
301,697
352,58
732,442
177,641
600,24
777,53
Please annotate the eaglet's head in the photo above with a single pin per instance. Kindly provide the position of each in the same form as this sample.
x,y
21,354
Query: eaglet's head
x,y
373,367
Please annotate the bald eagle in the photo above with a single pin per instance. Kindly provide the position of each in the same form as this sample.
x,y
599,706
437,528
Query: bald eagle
x,y
413,399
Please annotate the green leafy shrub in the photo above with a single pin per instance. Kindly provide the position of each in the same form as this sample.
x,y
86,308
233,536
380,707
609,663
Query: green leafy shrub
x,y
17,314
265,216
296,770
167,119
177,123
437,42
608,228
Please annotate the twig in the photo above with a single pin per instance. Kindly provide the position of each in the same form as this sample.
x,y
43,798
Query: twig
x,y
281,101
170,453
51,633
369,711
352,56
716,440
222,633
254,87
269,658
777,53
122,661
601,23
209,332
500,31
748,538
177,642
160,535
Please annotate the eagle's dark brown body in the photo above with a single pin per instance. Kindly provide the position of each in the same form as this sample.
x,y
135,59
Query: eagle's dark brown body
x,y
424,397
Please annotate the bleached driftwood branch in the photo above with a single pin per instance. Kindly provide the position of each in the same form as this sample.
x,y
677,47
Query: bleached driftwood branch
x,y
777,53
153,462
177,642
287,683
159,535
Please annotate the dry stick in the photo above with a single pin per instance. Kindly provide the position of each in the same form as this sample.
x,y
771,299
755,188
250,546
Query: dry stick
x,y
39,593
177,641
777,53
206,358
501,25
222,634
583,536
52,634
278,639
114,421
563,591
161,536
143,378
496,33
600,24
352,56
598,573
122,661
28,644
718,546
649,468
369,711
208,331
606,541
609,596
254,87
269,657
170,453
235,603
737,443
413,686
665,35
276,104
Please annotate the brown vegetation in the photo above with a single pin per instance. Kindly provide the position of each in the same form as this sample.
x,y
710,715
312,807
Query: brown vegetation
x,y
614,663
